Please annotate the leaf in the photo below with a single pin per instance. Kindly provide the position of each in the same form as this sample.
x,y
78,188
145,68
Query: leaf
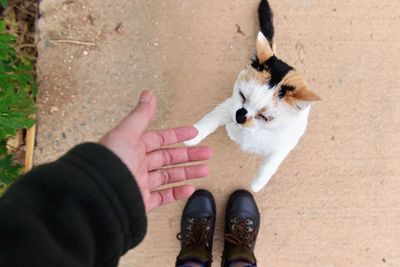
x,y
34,90
25,67
6,38
4,3
19,123
9,170
3,189
3,146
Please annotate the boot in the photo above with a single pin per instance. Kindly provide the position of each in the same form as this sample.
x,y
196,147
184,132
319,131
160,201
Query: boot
x,y
197,229
242,223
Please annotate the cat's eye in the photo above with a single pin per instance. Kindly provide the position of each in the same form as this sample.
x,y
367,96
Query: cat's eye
x,y
265,118
243,97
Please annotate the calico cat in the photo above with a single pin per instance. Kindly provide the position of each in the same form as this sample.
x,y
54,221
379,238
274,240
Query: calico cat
x,y
267,113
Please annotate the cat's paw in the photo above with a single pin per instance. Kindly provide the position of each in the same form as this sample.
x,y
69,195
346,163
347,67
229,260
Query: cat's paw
x,y
195,141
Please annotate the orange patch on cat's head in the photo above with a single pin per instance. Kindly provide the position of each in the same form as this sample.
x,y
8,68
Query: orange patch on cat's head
x,y
298,93
250,74
249,123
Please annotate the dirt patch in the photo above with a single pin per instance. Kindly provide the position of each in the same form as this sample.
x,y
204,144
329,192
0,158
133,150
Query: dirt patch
x,y
342,179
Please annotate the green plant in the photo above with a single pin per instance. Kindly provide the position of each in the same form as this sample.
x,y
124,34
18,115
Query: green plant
x,y
4,3
17,91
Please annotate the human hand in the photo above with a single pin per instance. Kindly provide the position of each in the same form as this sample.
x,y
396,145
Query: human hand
x,y
143,154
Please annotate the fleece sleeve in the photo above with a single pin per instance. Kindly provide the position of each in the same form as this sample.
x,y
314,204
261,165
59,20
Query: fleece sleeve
x,y
84,209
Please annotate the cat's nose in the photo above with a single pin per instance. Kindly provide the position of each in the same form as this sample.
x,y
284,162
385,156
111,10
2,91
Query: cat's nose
x,y
241,116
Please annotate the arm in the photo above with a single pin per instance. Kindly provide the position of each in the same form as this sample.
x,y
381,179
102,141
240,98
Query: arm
x,y
86,209
83,210
210,122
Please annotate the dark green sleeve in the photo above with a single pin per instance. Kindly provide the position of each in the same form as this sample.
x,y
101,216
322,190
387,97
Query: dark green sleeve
x,y
85,210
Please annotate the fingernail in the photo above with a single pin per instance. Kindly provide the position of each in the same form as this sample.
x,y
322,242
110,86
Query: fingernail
x,y
145,97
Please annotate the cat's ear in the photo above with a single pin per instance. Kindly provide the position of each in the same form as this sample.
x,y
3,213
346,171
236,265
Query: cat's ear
x,y
264,50
302,97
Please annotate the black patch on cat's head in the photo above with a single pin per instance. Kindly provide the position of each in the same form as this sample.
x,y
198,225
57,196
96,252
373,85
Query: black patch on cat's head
x,y
284,89
257,65
276,67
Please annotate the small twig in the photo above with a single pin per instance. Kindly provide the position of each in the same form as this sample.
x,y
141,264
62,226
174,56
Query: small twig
x,y
32,58
239,30
118,28
24,11
6,10
26,46
68,2
30,147
23,34
55,42
91,19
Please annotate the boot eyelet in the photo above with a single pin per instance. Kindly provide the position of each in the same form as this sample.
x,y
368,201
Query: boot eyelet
x,y
233,227
189,228
248,229
191,220
249,222
204,221
235,220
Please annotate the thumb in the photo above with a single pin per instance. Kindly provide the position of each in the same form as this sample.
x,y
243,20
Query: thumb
x,y
139,119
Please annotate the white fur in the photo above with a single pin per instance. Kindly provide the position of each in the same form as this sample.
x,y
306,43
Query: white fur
x,y
274,139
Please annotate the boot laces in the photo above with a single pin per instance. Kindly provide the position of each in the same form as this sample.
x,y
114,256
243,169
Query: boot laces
x,y
198,231
242,232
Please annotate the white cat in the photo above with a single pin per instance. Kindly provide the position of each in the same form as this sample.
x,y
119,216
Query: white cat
x,y
267,113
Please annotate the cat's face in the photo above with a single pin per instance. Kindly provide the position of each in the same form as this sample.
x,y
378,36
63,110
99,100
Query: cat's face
x,y
268,94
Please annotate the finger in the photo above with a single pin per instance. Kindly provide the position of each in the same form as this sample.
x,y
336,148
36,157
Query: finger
x,y
175,175
139,119
162,197
172,156
156,139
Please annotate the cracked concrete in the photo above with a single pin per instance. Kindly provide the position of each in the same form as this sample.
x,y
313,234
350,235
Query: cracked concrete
x,y
335,200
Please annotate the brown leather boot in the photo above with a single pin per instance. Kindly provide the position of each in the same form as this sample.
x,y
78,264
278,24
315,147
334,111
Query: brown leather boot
x,y
242,223
197,229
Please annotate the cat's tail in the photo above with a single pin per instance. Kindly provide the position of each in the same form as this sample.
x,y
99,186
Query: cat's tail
x,y
266,21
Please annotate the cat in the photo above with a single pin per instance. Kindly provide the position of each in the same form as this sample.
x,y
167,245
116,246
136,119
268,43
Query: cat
x,y
267,113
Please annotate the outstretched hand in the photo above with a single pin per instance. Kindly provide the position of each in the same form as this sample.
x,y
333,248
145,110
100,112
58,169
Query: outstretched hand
x,y
143,153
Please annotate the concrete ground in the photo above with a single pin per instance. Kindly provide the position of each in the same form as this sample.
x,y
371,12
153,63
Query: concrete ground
x,y
334,202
